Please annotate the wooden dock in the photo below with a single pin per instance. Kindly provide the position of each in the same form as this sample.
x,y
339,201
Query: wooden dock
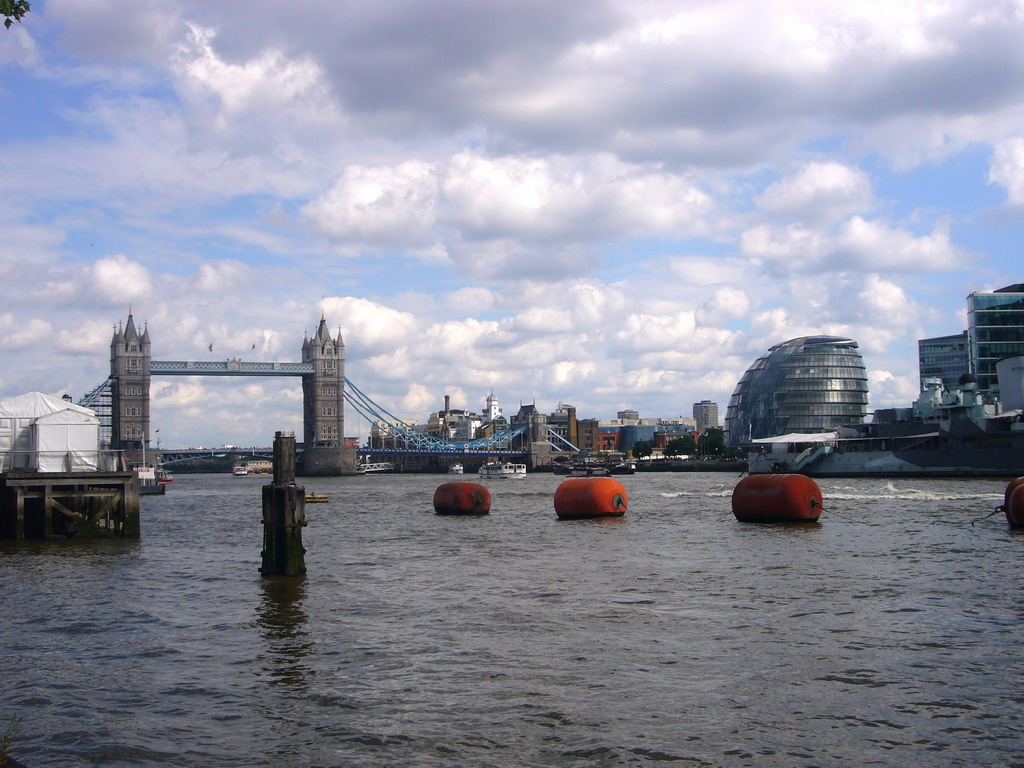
x,y
44,505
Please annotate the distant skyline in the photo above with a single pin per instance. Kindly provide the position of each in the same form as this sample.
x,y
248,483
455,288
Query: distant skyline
x,y
614,204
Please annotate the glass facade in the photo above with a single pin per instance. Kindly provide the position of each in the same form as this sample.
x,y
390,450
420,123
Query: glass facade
x,y
995,329
944,357
810,384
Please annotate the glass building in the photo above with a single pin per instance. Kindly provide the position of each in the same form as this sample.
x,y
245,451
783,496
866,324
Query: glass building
x,y
944,357
995,329
810,384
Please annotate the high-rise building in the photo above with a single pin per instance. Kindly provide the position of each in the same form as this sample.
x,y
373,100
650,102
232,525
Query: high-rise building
x,y
944,357
705,414
995,329
810,384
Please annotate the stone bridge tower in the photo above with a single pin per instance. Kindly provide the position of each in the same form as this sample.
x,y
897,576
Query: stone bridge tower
x,y
323,398
129,387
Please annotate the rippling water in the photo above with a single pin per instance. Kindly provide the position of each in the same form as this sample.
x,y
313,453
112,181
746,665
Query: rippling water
x,y
887,634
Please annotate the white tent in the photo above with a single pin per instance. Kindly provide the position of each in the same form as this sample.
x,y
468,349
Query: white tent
x,y
47,433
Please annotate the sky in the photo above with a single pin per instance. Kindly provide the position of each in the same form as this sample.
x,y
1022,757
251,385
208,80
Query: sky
x,y
607,203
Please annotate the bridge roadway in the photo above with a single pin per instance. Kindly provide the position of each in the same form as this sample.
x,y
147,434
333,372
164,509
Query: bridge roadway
x,y
232,367
178,455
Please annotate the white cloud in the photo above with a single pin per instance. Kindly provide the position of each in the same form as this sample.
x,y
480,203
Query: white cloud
x,y
380,205
117,280
819,193
19,333
559,197
1007,168
857,244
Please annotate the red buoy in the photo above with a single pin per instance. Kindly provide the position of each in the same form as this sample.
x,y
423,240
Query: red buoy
x,y
583,497
1013,503
462,498
776,499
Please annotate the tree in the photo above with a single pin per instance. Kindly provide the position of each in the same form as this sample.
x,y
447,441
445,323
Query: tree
x,y
13,10
713,442
642,449
680,446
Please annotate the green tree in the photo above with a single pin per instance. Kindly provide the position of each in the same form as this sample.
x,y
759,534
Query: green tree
x,y
680,446
642,449
13,10
713,442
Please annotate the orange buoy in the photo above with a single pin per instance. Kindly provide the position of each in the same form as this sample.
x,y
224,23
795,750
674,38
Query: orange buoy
x,y
583,497
776,499
462,498
1013,503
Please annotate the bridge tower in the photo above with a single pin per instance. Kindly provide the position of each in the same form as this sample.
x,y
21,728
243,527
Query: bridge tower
x,y
323,403
130,356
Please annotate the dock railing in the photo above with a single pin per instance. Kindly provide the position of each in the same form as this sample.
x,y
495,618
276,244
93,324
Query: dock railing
x,y
100,460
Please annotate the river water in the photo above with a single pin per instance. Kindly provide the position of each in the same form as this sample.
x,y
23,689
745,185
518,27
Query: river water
x,y
888,634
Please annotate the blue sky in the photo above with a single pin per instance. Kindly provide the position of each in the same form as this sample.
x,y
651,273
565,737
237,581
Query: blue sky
x,y
610,204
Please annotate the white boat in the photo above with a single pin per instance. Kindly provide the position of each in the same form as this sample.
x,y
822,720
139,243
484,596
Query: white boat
x,y
239,470
502,469
455,469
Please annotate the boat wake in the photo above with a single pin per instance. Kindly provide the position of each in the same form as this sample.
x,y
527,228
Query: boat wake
x,y
890,491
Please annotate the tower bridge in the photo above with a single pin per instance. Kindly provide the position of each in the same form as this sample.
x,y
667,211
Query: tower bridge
x,y
123,404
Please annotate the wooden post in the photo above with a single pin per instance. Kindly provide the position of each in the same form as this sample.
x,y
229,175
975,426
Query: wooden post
x,y
284,514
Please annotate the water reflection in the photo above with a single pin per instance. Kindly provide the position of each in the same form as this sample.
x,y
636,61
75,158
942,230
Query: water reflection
x,y
282,618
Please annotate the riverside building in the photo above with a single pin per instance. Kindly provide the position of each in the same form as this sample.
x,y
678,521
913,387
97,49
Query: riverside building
x,y
995,329
809,384
705,414
943,357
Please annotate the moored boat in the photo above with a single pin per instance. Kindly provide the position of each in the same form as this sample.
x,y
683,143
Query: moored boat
x,y
148,484
502,469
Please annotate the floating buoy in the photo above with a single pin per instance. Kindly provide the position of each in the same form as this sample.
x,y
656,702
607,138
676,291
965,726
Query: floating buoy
x,y
776,499
1013,503
462,498
583,497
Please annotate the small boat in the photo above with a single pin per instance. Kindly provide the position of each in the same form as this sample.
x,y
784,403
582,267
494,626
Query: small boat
x,y
163,476
502,469
316,498
455,469
588,470
239,470
148,485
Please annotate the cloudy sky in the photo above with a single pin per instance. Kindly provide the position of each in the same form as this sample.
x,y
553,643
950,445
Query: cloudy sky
x,y
612,204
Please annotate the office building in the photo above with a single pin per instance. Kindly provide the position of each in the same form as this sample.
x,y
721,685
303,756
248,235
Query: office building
x,y
810,384
944,357
705,414
995,329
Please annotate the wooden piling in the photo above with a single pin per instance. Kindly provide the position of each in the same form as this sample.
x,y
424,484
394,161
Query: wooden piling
x,y
284,514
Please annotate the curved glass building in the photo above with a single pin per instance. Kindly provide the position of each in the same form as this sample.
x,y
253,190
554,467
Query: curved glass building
x,y
810,384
